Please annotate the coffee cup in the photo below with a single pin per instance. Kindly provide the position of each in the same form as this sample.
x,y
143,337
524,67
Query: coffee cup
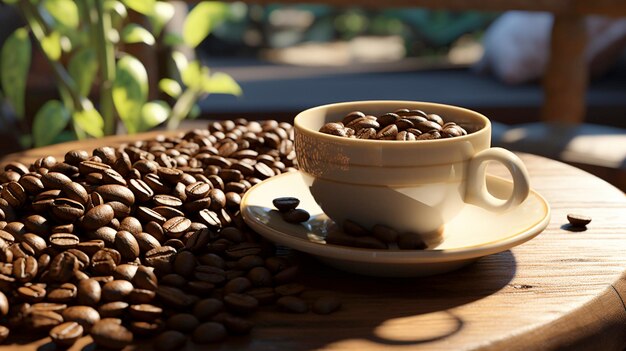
x,y
411,186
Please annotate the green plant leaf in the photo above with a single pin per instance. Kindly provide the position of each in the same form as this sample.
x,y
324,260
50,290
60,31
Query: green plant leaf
x,y
201,20
64,136
192,75
64,12
145,7
170,87
116,7
83,67
134,33
130,91
154,113
163,13
221,83
180,60
26,141
51,45
90,121
49,121
16,55
173,39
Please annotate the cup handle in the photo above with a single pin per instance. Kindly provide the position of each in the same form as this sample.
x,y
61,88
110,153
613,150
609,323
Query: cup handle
x,y
477,192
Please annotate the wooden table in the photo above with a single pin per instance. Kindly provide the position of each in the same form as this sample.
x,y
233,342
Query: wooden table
x,y
562,289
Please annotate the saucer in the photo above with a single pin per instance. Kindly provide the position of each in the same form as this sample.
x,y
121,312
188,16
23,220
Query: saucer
x,y
472,234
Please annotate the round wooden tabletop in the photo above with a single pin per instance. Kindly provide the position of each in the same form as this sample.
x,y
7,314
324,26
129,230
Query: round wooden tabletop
x,y
563,289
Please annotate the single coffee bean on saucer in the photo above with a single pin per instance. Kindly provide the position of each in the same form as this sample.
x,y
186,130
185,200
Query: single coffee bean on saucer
x,y
296,215
284,204
578,220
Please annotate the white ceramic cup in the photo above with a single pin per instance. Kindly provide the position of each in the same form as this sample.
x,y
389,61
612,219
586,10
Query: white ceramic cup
x,y
411,186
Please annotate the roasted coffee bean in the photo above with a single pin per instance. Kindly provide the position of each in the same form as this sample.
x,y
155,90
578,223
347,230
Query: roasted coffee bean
x,y
4,305
284,204
116,290
89,292
62,267
146,242
237,285
115,192
84,315
63,294
411,241
113,309
127,245
141,296
173,280
384,233
14,194
66,334
209,332
578,220
125,272
67,210
55,180
206,308
132,225
290,289
326,305
176,226
241,303
149,215
295,216
183,322
260,276
63,241
286,275
174,297
109,333
142,191
32,184
144,278
354,229
292,304
25,269
43,320
75,191
98,216
170,340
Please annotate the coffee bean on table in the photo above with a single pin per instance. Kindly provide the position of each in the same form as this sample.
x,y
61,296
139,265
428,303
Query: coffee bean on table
x,y
66,334
292,304
284,204
209,332
111,334
578,220
326,305
170,340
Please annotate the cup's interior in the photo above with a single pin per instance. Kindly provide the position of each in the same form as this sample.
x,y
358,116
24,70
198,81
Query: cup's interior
x,y
313,119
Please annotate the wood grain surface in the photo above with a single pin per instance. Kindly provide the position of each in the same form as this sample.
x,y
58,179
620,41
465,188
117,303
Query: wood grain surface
x,y
561,290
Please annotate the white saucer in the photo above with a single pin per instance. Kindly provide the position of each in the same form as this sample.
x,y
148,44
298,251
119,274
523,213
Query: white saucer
x,y
472,234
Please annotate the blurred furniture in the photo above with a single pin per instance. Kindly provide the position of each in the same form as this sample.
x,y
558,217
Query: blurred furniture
x,y
560,290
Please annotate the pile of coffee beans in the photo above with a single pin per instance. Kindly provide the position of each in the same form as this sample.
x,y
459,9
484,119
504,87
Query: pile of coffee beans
x,y
402,124
380,237
145,239
287,206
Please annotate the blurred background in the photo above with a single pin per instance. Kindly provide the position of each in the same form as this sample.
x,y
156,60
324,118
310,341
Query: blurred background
x,y
286,58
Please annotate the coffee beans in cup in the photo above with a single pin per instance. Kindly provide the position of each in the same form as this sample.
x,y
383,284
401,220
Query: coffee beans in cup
x,y
143,240
402,124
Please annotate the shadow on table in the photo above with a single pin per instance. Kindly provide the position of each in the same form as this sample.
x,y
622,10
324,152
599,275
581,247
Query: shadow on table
x,y
378,310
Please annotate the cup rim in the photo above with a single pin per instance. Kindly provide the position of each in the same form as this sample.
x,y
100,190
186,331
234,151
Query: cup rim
x,y
298,124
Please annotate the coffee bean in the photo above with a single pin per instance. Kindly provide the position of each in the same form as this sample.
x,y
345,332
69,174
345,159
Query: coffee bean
x,y
132,225
174,297
25,269
578,220
411,241
88,292
116,290
109,333
284,204
66,334
4,305
64,241
127,245
62,267
295,216
183,322
55,180
237,285
14,194
292,304
63,294
66,210
125,272
354,229
209,332
145,312
43,320
170,340
75,191
141,190
240,303
141,296
113,309
144,278
147,214
84,315
98,216
176,226
115,192
326,305
160,258
290,289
